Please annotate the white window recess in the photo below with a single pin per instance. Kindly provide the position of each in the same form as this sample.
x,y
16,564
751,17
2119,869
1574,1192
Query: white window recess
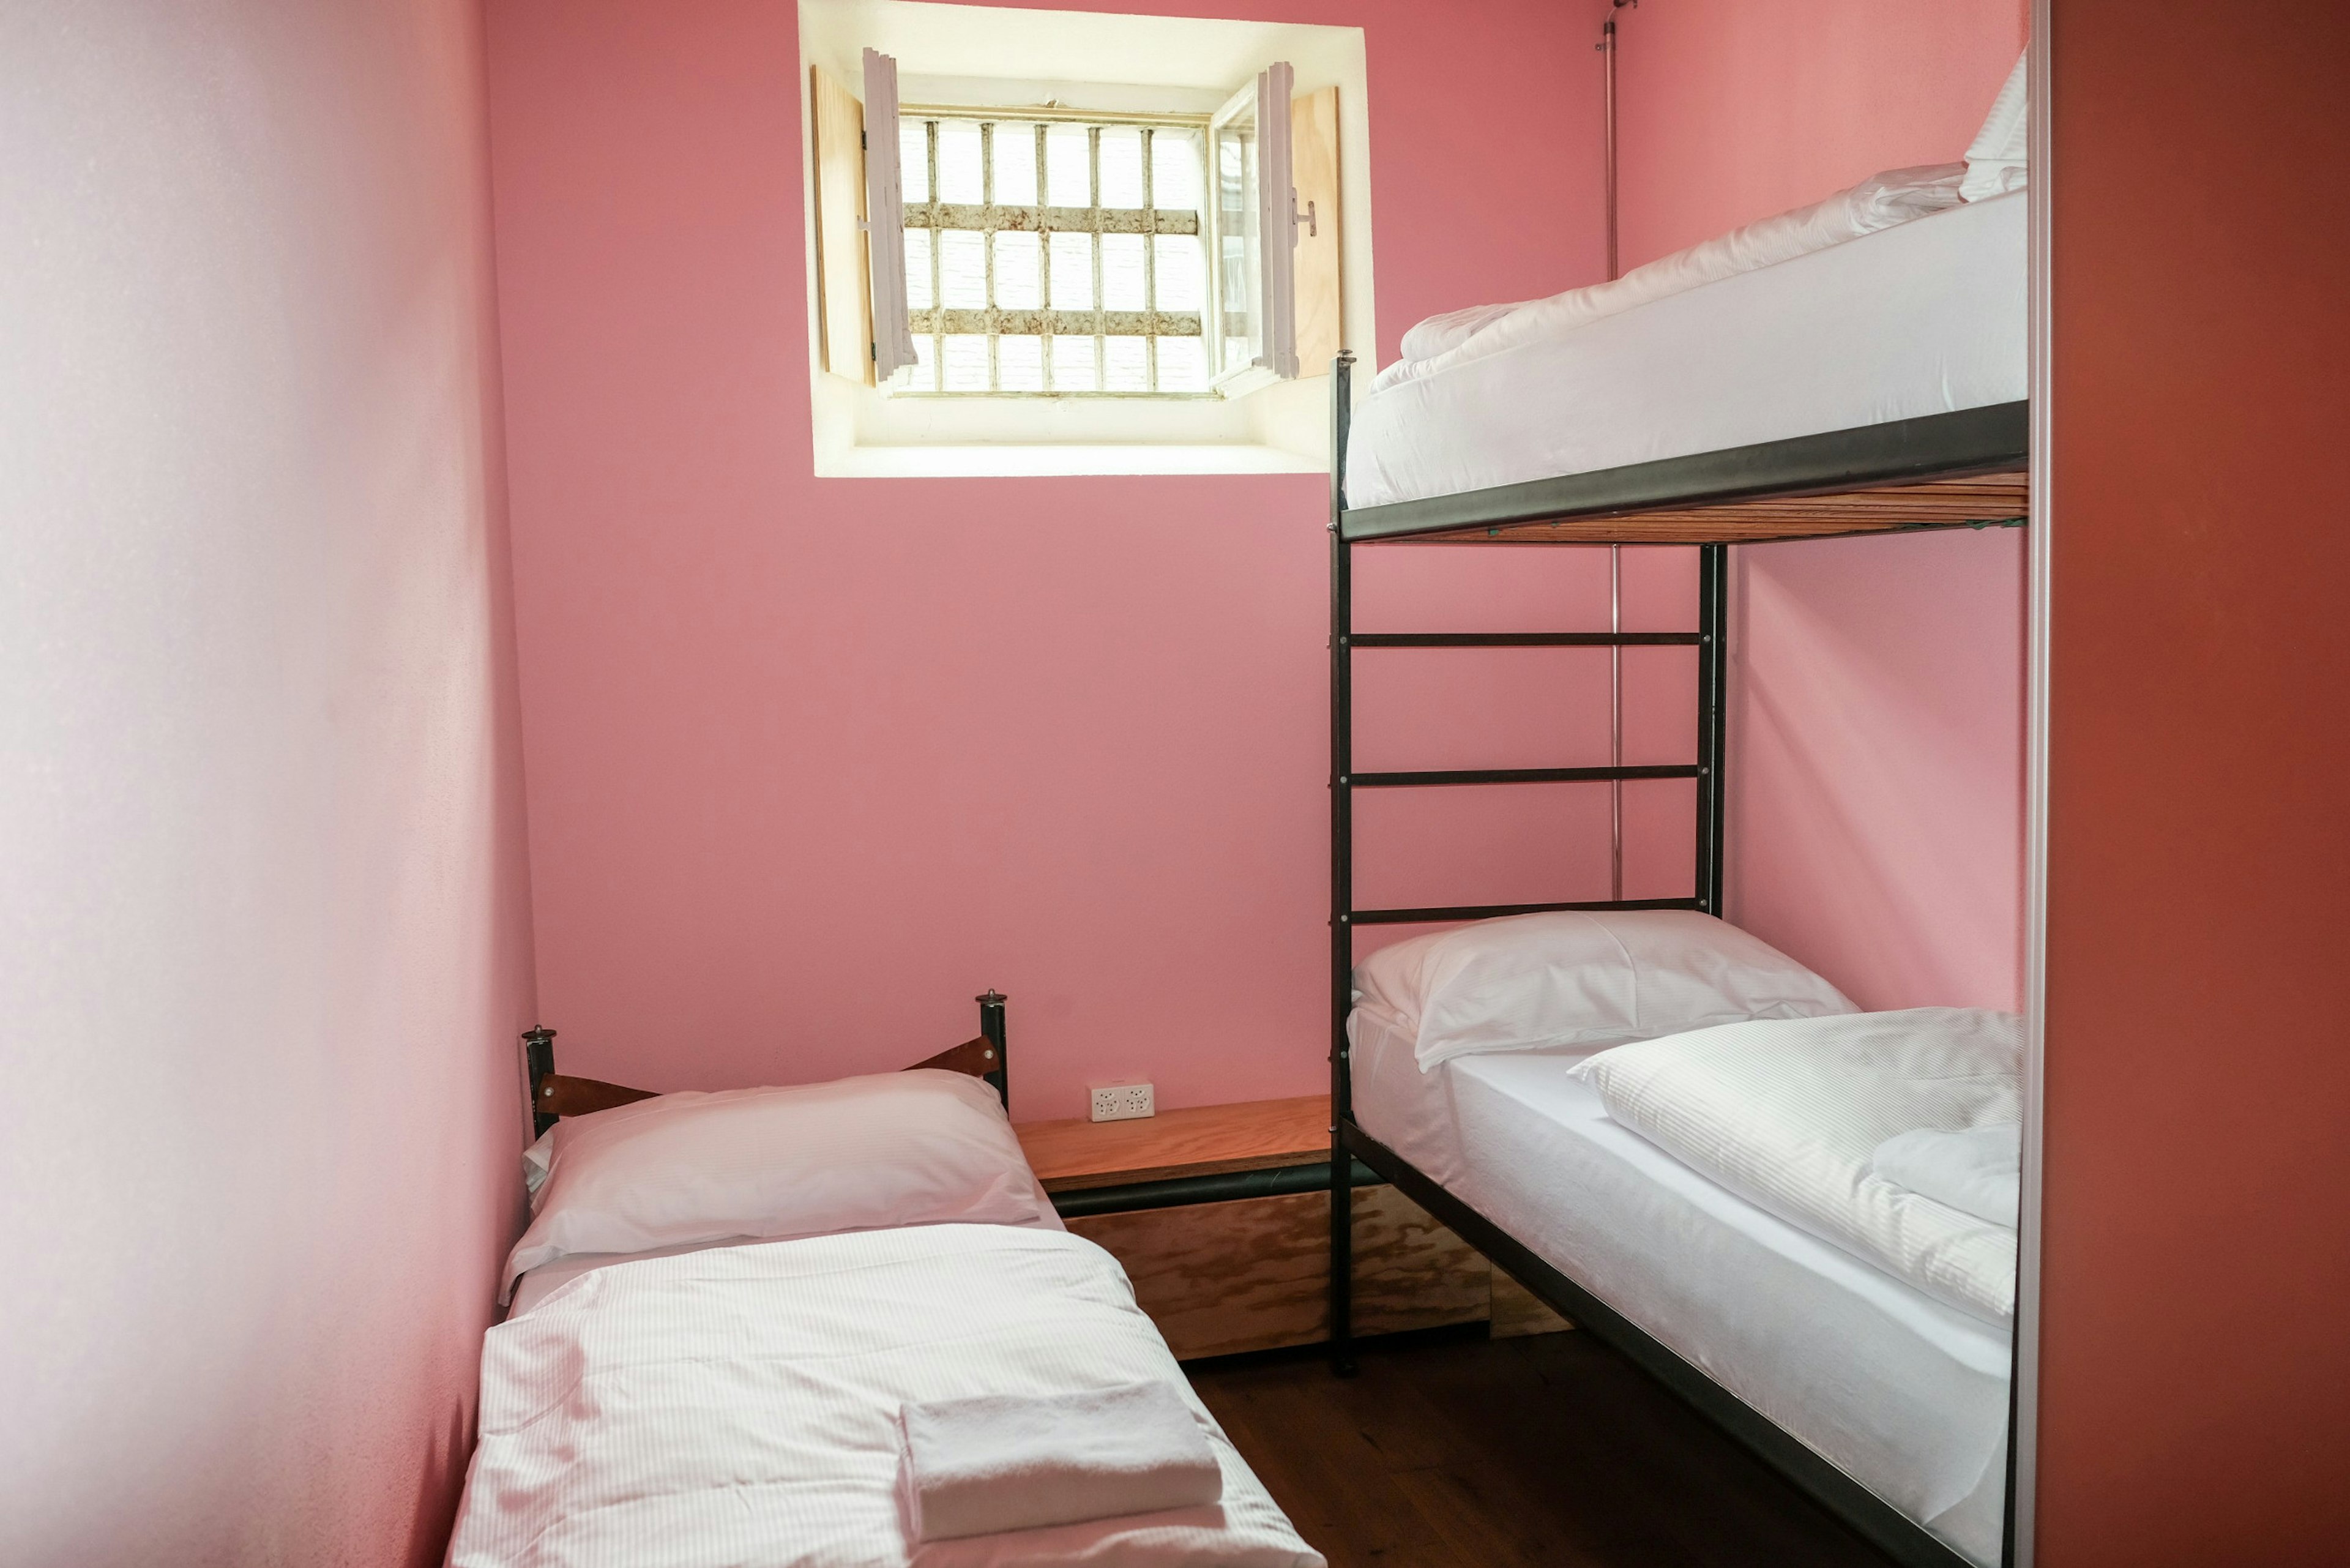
x,y
1266,316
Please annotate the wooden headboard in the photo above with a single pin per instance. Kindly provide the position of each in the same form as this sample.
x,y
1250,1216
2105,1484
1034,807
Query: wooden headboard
x,y
554,1096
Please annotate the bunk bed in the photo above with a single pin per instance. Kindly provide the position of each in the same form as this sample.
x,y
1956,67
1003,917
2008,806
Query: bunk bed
x,y
1895,466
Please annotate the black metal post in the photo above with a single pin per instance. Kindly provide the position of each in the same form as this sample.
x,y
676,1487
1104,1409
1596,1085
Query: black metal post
x,y
1342,877
1712,668
991,1029
538,1061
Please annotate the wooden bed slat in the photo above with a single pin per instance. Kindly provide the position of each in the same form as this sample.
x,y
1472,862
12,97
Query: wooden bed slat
x,y
1998,499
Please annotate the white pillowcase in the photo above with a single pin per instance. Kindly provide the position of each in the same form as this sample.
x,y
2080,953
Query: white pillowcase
x,y
1975,1171
1996,159
1427,339
922,1148
1577,978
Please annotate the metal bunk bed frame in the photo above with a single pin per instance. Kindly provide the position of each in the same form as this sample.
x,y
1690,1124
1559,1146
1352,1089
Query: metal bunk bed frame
x,y
1955,469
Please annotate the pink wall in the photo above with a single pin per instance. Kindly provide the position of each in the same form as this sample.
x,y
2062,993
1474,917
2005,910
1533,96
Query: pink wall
x,y
811,762
1732,109
264,943
1875,715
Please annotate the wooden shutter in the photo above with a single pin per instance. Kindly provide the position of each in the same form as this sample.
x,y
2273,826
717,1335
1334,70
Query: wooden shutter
x,y
844,308
1276,197
885,219
1313,169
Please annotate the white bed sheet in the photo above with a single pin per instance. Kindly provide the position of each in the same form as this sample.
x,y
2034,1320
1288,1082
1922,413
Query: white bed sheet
x,y
1905,1394
739,1404
1925,317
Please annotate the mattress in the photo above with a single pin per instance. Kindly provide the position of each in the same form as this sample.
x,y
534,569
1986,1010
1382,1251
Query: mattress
x,y
1905,1395
1927,317
739,1404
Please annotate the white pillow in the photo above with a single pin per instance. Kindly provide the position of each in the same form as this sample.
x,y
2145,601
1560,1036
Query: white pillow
x,y
1996,160
1596,979
1789,1113
1976,1171
924,1148
1427,339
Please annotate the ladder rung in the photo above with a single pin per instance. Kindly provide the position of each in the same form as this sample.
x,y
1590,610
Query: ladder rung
x,y
1447,913
1524,640
1431,777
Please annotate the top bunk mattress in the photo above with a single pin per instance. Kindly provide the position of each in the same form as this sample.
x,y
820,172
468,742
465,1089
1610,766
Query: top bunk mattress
x,y
1927,317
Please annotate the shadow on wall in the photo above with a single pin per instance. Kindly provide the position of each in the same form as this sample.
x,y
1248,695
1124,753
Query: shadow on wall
x,y
1876,731
442,1480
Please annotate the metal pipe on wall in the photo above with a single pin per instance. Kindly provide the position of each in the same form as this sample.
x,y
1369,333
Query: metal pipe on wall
x,y
1608,54
1615,552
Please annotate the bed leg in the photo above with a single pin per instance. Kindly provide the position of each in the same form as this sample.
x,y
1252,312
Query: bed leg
x,y
1342,1259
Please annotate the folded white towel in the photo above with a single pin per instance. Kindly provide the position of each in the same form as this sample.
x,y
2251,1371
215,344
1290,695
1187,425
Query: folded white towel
x,y
1975,1171
975,1467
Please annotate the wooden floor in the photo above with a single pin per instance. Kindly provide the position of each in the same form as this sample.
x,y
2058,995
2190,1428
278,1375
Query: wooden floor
x,y
1547,1450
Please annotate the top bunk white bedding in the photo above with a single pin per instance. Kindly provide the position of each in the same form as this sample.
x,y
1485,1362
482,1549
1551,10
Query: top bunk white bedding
x,y
1905,1394
1927,317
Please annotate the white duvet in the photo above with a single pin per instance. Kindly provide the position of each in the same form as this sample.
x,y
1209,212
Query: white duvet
x,y
1881,201
739,1406
1792,1112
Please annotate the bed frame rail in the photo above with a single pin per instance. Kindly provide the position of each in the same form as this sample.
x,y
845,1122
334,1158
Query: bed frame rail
x,y
1878,1521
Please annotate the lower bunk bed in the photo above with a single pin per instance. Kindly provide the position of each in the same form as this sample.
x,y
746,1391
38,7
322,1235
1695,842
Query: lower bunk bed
x,y
1886,1403
837,1326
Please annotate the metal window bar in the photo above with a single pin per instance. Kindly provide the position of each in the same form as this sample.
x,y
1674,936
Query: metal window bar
x,y
990,218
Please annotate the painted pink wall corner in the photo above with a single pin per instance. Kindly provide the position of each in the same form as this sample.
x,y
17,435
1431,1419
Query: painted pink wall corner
x,y
264,947
1876,685
813,761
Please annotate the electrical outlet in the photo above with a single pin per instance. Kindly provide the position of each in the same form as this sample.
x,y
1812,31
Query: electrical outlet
x,y
1122,1101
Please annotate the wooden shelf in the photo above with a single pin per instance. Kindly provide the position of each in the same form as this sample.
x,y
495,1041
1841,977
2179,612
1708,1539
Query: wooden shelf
x,y
1206,1140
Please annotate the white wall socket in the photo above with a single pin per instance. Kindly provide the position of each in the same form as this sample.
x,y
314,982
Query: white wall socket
x,y
1122,1102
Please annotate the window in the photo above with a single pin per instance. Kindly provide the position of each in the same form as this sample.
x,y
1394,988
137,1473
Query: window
x,y
1051,245
1062,256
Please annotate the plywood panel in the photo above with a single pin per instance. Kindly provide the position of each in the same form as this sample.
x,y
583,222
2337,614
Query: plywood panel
x,y
1314,170
1205,1140
1254,1274
1517,1311
1411,1272
844,292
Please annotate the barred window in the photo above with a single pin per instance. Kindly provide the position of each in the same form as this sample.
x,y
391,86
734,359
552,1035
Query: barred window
x,y
1056,256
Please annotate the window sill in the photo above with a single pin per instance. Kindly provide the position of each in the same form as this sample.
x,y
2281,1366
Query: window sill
x,y
1008,461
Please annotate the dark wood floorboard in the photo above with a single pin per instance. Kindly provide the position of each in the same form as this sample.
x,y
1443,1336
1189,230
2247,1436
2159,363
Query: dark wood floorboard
x,y
1549,1450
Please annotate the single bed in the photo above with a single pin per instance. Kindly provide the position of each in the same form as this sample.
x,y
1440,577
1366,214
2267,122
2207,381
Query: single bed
x,y
1907,1396
712,1397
